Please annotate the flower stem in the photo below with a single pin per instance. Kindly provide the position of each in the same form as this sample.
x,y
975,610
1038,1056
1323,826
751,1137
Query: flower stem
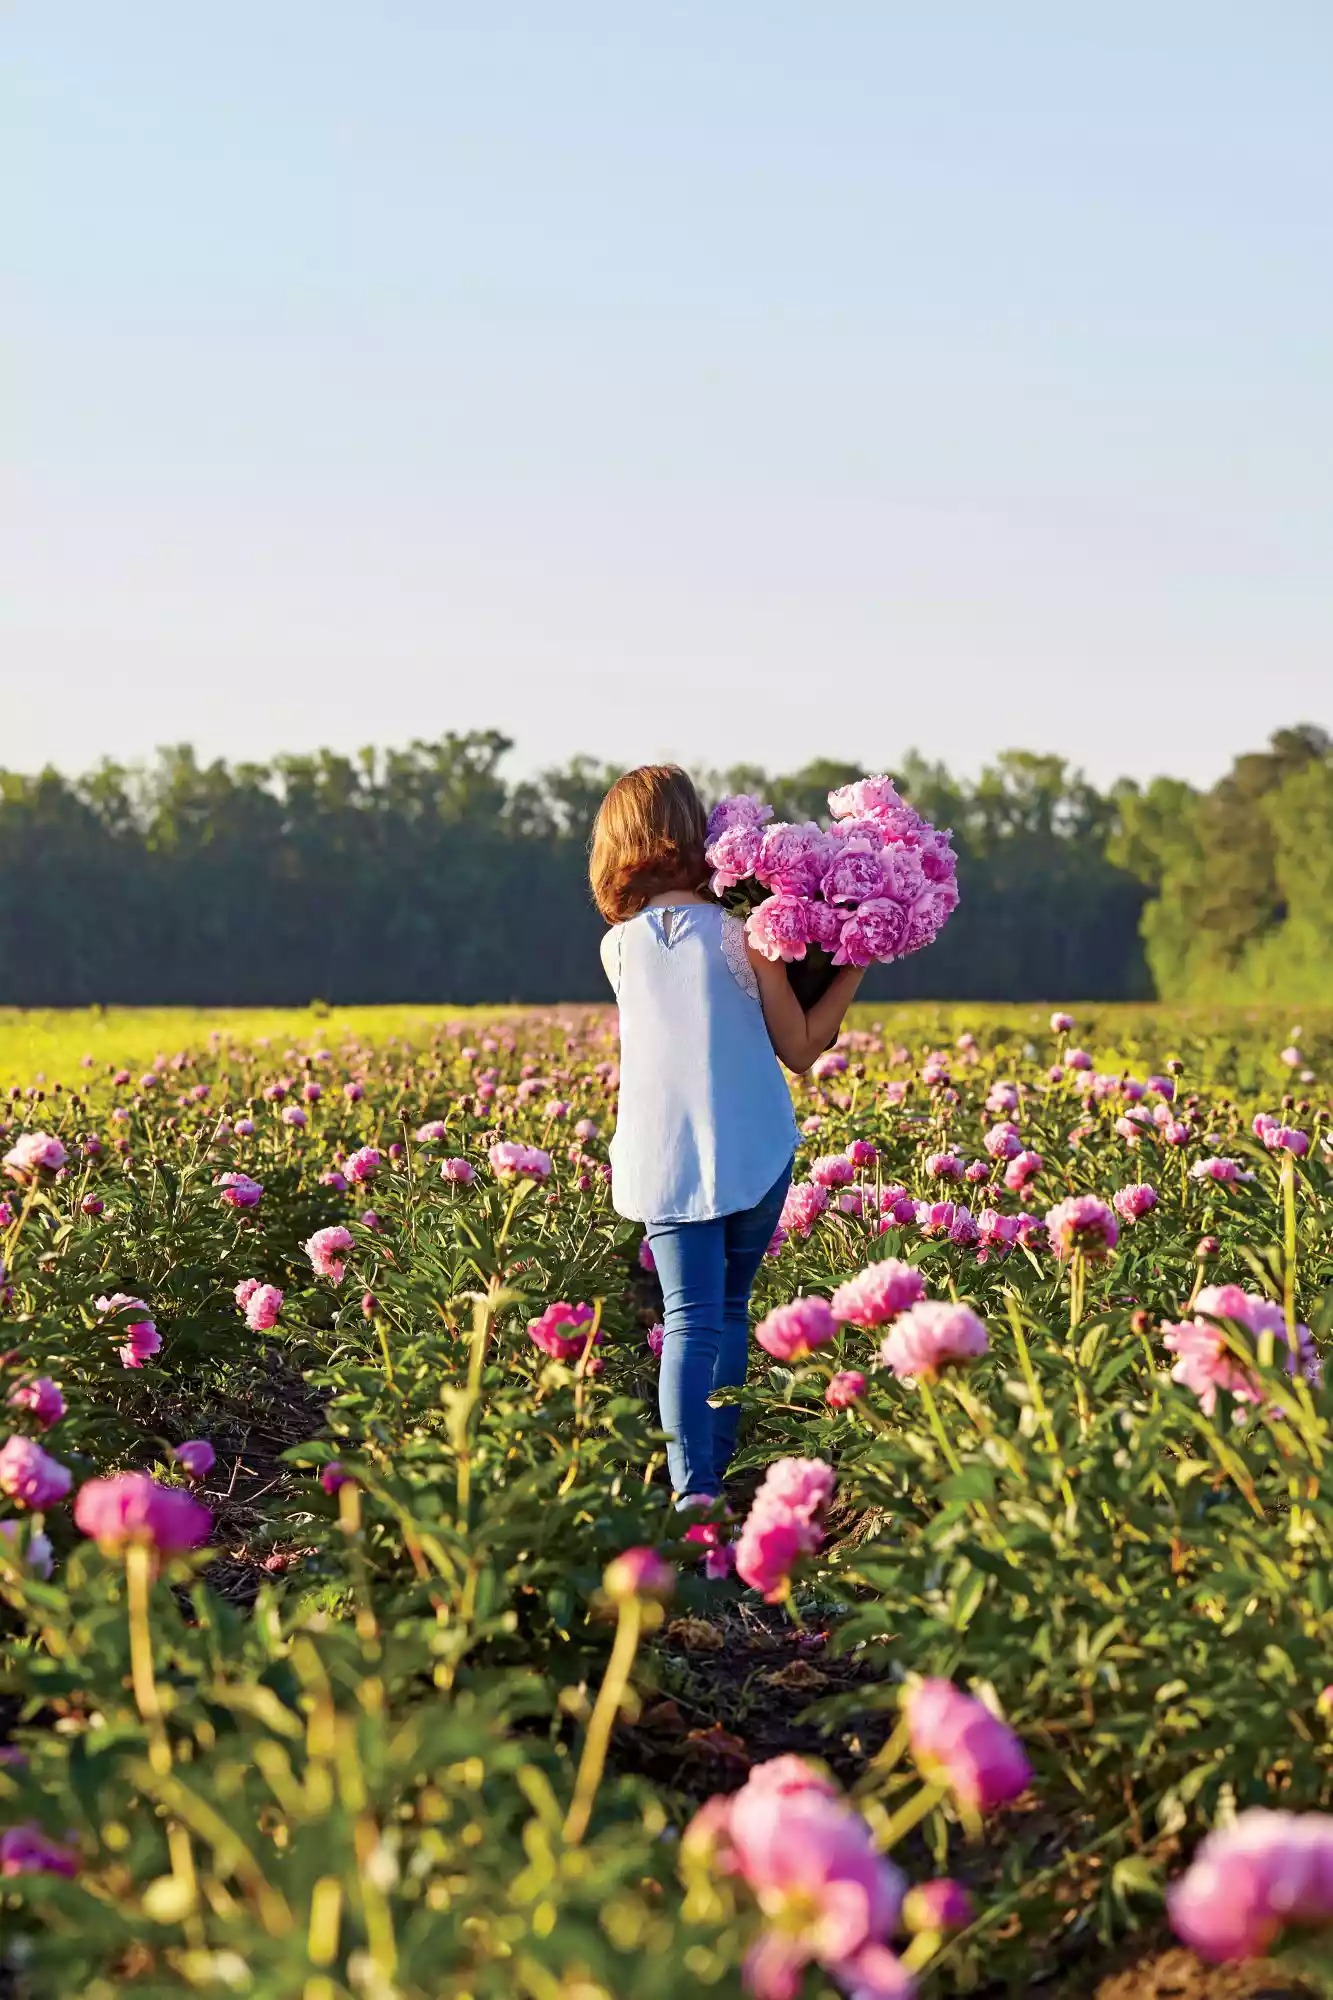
x,y
629,1627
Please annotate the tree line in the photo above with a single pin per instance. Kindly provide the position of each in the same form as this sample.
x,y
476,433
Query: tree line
x,y
425,874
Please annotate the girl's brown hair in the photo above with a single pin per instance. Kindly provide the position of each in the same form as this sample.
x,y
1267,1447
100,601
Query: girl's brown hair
x,y
648,836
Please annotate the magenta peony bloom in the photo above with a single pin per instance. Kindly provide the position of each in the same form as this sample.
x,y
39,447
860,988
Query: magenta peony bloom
x,y
331,1178
877,1295
333,1477
647,1262
792,859
1249,1881
26,1850
326,1250
92,1204
877,929
363,1164
1082,1223
779,928
1077,1059
802,1207
1024,1167
862,1154
959,1743
458,1172
29,1476
1218,1170
792,1331
238,1190
732,856
932,1336
784,1523
262,1308
134,1508
741,809
1002,1142
545,1332
142,1338
512,1162
941,1905
196,1458
855,875
1134,1201
896,1205
656,1338
845,1388
40,1395
638,1573
294,1115
832,1063
833,1170
34,1154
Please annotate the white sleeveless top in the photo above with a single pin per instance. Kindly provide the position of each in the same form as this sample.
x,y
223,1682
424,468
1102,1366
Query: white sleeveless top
x,y
705,1124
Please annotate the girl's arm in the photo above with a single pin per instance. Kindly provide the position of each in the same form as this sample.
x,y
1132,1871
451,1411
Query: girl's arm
x,y
797,1035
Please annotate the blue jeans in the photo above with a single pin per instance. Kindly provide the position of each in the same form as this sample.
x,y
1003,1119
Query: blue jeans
x,y
706,1271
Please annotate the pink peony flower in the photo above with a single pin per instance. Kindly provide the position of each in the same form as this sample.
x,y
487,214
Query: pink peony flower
x,y
26,1850
959,1743
326,1250
779,928
783,1523
1082,1223
741,809
545,1331
1002,1096
1249,1881
647,1262
458,1172
862,1154
944,1166
40,1395
802,1207
937,1218
824,923
732,856
856,875
638,1573
1077,1059
1022,1168
334,1477
877,929
1218,1169
845,1388
1285,1139
1002,1142
262,1308
33,1154
897,1206
363,1164
134,1508
29,1476
832,1170
656,1338
1134,1201
1061,1023
142,1338
238,1190
245,1291
997,1234
433,1133
878,1294
865,798
932,1336
792,1331
832,1063
196,1458
791,860
512,1162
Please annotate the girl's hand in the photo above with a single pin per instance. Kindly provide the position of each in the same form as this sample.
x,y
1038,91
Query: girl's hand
x,y
799,1035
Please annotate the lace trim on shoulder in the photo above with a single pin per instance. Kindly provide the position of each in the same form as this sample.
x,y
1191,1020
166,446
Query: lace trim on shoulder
x,y
610,950
736,955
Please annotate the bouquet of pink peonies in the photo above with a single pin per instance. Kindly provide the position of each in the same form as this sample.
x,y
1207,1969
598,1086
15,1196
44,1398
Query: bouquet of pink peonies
x,y
877,884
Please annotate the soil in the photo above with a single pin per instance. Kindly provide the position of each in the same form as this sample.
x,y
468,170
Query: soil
x,y
1179,1975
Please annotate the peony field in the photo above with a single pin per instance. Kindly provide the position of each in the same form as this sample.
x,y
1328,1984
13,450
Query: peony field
x,y
350,1648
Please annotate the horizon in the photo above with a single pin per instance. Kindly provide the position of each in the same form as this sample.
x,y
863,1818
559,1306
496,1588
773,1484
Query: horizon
x,y
687,387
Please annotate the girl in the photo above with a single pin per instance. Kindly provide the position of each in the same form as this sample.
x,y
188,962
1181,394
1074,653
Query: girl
x,y
702,1153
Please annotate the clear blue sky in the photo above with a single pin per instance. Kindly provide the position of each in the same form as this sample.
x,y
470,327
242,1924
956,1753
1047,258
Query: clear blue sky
x,y
721,378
